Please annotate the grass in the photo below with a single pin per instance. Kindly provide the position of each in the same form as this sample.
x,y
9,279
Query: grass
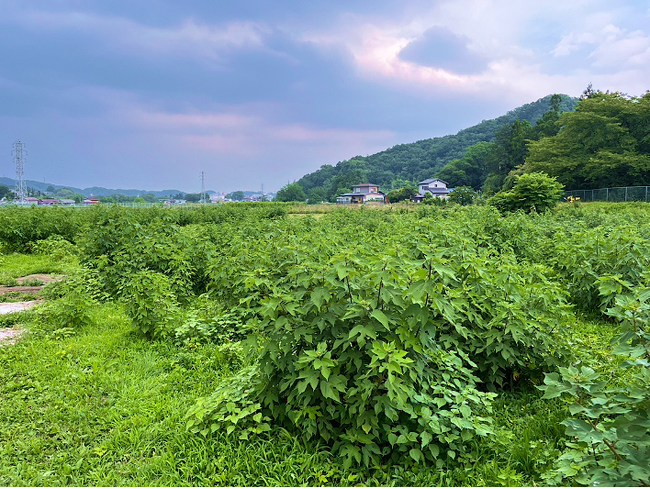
x,y
101,406
20,265
104,407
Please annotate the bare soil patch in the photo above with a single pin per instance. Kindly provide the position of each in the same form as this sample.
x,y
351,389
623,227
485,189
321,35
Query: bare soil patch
x,y
9,336
45,278
18,290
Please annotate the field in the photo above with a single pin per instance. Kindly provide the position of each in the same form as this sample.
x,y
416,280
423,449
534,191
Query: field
x,y
267,344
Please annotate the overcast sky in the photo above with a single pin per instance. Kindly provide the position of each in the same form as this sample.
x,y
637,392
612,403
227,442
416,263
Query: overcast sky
x,y
149,93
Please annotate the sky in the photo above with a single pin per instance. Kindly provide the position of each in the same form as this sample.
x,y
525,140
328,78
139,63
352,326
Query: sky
x,y
148,94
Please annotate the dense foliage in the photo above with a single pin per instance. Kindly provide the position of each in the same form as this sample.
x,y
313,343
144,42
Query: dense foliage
x,y
389,336
604,143
532,192
291,192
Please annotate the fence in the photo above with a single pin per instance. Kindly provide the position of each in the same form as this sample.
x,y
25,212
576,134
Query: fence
x,y
612,194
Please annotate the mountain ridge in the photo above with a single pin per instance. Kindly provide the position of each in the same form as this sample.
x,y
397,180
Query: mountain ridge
x,y
418,160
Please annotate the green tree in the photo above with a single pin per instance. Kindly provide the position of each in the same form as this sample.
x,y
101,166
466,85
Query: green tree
x,y
535,191
404,193
471,170
4,191
462,196
547,126
604,143
316,195
237,196
344,181
292,192
121,198
194,198
151,198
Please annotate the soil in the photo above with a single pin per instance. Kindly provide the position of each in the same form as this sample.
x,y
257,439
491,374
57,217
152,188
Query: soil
x,y
8,336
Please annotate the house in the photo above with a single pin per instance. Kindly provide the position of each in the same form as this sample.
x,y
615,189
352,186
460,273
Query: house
x,y
362,193
91,201
435,186
67,202
48,202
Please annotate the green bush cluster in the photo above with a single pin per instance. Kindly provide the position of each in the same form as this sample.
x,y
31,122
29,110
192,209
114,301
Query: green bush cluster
x,y
381,348
383,334
532,191
611,427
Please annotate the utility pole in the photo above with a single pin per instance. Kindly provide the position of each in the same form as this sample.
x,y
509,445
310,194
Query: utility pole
x,y
19,153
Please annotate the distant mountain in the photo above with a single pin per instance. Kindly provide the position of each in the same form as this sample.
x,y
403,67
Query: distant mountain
x,y
419,160
94,191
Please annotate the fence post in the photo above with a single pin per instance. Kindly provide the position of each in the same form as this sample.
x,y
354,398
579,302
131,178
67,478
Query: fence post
x,y
592,194
607,194
625,194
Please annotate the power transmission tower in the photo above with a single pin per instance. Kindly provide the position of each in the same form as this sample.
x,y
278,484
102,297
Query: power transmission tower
x,y
19,153
203,199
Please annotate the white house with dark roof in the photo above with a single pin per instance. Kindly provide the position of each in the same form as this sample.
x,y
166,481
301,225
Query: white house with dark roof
x,y
362,193
435,186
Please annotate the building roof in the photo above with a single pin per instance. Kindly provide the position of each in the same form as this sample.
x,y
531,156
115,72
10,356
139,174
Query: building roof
x,y
440,190
354,194
365,185
431,180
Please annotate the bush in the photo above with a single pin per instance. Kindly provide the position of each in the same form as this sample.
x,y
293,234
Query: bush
x,y
56,247
71,310
381,350
150,303
462,196
611,428
533,191
402,194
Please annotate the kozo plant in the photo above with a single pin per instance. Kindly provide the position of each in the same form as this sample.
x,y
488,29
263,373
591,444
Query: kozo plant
x,y
611,430
383,350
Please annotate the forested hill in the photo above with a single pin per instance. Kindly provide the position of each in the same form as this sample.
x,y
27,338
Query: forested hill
x,y
420,160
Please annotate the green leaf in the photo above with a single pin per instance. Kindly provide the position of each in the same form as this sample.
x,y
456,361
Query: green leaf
x,y
426,438
328,392
381,317
416,454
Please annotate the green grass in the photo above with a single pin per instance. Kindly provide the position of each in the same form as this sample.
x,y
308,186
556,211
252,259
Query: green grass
x,y
20,265
104,407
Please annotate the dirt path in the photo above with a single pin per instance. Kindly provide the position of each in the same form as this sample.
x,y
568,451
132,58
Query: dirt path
x,y
8,336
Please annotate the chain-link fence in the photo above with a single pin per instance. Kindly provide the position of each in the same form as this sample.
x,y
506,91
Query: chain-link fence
x,y
612,194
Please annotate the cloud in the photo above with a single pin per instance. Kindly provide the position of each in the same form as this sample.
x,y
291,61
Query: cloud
x,y
156,91
438,47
